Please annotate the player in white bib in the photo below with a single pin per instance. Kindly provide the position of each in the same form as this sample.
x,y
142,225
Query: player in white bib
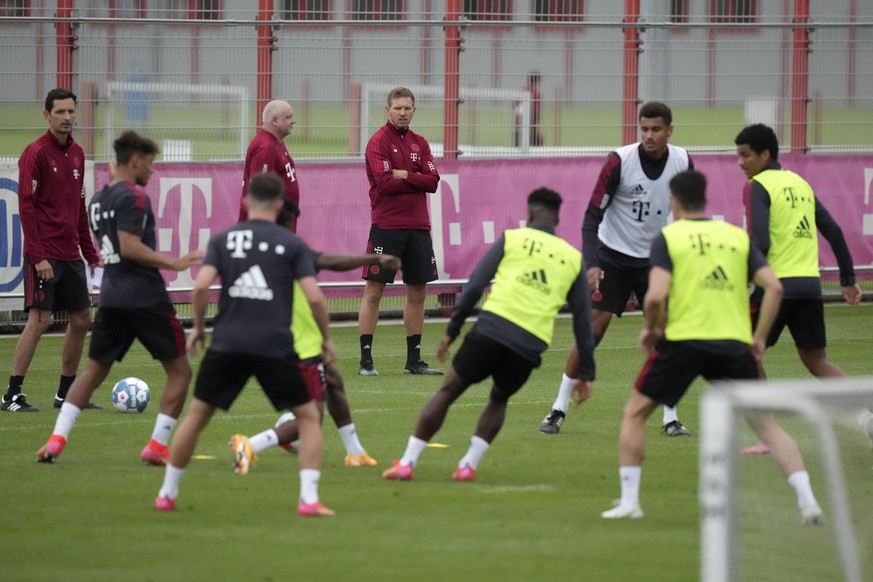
x,y
630,204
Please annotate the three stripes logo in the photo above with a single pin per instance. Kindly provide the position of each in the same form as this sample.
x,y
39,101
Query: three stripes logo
x,y
251,285
717,280
536,280
803,229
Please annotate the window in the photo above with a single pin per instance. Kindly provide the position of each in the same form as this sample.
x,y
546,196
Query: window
x,y
559,10
488,9
377,9
14,7
733,11
305,10
679,11
205,9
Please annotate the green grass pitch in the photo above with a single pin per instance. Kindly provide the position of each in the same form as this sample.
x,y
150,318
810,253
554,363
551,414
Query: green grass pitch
x,y
532,513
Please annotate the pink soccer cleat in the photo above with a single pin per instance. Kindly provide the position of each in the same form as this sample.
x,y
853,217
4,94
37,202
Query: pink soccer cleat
x,y
164,503
759,448
398,472
316,509
155,454
51,450
465,473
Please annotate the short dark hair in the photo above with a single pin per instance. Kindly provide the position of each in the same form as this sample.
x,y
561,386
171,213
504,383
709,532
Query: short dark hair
x,y
130,143
265,188
399,92
759,137
546,198
58,95
689,190
653,109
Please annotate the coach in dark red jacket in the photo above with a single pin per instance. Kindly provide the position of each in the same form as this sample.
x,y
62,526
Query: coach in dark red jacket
x,y
51,201
401,171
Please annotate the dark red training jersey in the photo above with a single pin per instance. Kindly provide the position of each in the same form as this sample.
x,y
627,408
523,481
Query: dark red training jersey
x,y
400,204
51,201
266,153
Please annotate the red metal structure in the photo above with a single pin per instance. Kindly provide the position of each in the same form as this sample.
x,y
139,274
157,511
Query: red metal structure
x,y
800,79
452,99
631,86
266,47
66,43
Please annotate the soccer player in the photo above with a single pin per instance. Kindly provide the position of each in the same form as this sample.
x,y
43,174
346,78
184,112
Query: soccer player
x,y
534,273
784,218
307,344
258,263
702,267
51,199
401,173
134,303
267,153
629,205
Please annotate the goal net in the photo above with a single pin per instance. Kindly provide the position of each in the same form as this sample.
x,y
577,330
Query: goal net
x,y
750,523
190,122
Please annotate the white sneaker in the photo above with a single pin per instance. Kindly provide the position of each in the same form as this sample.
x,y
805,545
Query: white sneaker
x,y
623,511
812,515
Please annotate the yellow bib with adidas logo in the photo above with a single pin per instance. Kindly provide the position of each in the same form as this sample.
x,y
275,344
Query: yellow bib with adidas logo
x,y
532,280
708,291
793,234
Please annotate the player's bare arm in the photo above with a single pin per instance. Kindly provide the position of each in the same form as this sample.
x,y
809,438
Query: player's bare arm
x,y
133,249
852,294
199,302
443,348
766,279
333,262
655,308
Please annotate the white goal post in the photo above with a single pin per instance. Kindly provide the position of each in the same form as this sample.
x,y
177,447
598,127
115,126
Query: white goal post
x,y
116,93
723,406
377,93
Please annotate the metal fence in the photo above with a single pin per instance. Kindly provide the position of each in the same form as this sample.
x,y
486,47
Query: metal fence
x,y
495,79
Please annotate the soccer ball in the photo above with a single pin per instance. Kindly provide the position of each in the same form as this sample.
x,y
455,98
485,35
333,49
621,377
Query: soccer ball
x,y
131,395
291,447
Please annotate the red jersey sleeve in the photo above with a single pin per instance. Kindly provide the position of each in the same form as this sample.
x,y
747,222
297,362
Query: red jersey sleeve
x,y
381,168
428,179
28,183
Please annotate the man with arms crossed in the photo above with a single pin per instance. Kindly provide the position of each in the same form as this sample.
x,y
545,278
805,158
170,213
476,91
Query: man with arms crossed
x,y
703,268
51,199
401,173
629,205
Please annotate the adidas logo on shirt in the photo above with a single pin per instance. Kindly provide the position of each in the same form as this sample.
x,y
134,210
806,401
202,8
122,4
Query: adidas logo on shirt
x,y
251,285
717,280
638,191
803,230
535,279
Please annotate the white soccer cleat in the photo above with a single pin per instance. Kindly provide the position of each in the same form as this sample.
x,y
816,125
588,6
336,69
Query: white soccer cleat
x,y
624,511
812,515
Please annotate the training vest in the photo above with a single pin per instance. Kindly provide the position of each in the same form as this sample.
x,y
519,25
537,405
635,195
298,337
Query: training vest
x,y
307,335
793,234
640,207
709,287
533,279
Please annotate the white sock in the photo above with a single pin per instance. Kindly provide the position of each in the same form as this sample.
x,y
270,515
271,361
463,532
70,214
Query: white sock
x,y
800,481
164,426
172,477
630,485
669,415
66,419
562,402
264,440
413,450
478,447
309,485
350,439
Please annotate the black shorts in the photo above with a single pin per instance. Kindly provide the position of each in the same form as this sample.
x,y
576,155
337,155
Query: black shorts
x,y
314,377
804,318
480,357
222,376
413,247
115,328
67,291
617,285
669,372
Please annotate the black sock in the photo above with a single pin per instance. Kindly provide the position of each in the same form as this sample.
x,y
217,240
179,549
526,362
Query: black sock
x,y
413,348
15,383
64,386
367,348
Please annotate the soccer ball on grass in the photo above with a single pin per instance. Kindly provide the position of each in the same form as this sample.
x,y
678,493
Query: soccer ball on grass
x,y
131,395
